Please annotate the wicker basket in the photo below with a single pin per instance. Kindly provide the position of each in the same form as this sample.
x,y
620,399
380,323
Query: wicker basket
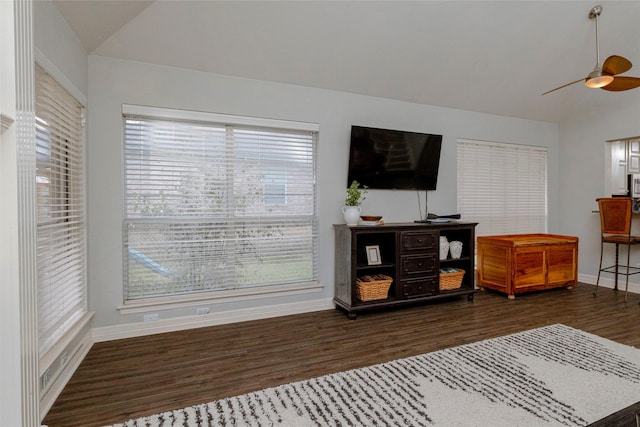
x,y
373,287
451,279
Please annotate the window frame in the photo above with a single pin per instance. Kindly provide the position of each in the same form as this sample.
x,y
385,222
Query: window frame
x,y
502,186
64,157
178,300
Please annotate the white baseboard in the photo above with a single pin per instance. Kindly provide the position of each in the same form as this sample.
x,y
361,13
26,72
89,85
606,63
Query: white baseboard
x,y
130,330
608,282
77,351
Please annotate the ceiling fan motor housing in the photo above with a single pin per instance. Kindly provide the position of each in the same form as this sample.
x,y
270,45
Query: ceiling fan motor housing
x,y
595,12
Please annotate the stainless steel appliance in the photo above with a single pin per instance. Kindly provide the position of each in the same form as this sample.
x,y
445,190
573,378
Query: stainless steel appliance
x,y
633,191
633,185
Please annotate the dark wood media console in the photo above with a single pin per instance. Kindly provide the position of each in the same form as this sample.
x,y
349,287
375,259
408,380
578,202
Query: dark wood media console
x,y
409,254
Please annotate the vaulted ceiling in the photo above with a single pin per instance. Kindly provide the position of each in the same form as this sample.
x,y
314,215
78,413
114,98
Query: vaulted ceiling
x,y
496,57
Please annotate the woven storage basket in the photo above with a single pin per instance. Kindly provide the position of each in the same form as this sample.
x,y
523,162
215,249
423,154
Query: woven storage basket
x,y
451,280
373,287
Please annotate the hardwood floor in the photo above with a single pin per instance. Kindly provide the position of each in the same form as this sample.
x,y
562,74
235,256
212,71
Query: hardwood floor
x,y
130,378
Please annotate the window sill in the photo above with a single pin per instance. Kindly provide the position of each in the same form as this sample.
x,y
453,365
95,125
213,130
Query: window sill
x,y
182,301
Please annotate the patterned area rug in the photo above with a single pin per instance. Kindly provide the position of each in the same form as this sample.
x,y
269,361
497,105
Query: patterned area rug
x,y
550,376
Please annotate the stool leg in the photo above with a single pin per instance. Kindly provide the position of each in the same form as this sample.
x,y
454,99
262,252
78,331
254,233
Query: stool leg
x,y
595,292
626,283
615,287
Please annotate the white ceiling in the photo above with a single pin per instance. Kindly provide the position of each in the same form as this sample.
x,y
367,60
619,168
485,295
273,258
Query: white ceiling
x,y
496,57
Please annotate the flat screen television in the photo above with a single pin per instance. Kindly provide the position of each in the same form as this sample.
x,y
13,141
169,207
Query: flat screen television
x,y
393,159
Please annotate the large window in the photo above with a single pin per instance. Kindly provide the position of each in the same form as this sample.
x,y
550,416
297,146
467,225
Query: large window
x,y
60,210
217,203
502,186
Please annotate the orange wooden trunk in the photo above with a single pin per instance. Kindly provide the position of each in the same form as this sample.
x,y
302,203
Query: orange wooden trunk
x,y
518,263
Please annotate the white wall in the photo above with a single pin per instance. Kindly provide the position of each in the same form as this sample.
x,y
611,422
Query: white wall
x,y
53,37
602,116
114,82
11,359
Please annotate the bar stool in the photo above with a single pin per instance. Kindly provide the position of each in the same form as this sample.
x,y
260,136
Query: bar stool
x,y
615,227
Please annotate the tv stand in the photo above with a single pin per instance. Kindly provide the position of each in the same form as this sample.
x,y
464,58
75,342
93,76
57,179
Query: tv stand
x,y
409,253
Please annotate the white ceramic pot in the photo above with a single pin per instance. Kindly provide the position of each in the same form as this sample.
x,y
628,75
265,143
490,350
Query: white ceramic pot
x,y
351,214
444,248
456,249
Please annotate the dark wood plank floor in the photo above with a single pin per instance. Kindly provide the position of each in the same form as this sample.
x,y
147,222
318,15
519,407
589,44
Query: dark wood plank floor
x,y
130,378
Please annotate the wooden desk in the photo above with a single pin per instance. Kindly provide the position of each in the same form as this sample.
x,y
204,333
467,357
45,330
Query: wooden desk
x,y
518,263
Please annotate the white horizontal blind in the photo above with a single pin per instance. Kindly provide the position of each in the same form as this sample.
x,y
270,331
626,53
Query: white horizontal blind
x,y
213,206
502,186
60,201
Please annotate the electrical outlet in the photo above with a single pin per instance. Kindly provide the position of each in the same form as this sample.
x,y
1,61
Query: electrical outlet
x,y
202,310
44,380
64,358
150,317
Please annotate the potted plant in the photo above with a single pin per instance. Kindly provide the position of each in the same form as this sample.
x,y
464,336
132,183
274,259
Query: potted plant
x,y
355,197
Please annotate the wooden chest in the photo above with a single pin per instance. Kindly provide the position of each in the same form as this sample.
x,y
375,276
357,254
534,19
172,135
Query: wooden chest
x,y
518,263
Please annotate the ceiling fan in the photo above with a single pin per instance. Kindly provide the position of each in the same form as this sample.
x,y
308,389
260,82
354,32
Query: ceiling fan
x,y
605,76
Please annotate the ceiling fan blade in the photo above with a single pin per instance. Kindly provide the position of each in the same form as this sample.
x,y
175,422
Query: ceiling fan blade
x,y
560,87
616,65
622,83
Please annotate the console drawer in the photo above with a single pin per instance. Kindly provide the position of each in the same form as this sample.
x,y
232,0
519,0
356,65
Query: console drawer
x,y
412,240
418,264
418,287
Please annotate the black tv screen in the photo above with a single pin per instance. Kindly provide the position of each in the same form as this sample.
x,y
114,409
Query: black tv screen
x,y
392,159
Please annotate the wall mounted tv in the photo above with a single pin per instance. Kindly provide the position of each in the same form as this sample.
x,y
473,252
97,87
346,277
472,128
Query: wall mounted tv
x,y
392,159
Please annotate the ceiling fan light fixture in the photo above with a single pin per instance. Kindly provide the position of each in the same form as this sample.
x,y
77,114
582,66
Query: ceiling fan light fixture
x,y
603,74
597,79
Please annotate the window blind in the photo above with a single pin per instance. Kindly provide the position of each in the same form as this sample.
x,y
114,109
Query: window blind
x,y
60,204
502,186
213,206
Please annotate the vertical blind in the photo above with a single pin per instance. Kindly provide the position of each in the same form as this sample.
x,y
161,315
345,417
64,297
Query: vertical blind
x,y
502,186
213,206
60,204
